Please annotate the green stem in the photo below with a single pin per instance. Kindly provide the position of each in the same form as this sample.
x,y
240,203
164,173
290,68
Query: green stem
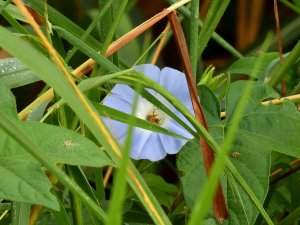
x,y
32,148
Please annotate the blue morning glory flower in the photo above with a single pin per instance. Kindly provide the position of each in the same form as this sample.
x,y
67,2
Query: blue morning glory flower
x,y
148,144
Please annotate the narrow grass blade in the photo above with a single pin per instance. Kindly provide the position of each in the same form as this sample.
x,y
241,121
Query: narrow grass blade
x,y
212,19
193,43
85,48
20,213
119,188
215,36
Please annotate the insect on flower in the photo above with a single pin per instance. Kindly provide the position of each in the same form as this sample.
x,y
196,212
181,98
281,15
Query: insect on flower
x,y
148,144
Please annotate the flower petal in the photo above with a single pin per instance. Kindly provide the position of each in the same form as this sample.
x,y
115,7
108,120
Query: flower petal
x,y
147,145
124,92
118,129
116,102
172,145
150,71
175,82
172,125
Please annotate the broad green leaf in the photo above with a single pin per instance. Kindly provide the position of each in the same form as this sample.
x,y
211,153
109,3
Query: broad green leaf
x,y
268,126
257,136
15,74
192,176
246,64
164,192
60,145
260,93
24,181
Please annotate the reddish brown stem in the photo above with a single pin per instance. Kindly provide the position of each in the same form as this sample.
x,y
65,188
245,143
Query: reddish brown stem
x,y
219,204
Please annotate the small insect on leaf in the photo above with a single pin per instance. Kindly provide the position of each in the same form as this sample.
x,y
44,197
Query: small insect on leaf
x,y
236,155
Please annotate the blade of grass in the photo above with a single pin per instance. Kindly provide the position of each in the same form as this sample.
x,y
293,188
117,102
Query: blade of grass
x,y
20,213
291,6
86,49
62,216
214,36
33,149
201,207
291,218
112,30
76,206
193,44
4,5
89,29
212,19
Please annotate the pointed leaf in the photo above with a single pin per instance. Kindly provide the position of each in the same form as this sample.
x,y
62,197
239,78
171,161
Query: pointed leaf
x,y
24,181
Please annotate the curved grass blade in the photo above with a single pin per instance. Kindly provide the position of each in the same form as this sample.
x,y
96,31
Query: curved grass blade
x,y
86,49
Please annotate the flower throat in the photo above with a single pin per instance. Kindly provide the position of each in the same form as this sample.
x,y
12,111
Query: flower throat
x,y
155,116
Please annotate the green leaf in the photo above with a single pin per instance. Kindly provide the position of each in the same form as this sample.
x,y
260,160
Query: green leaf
x,y
15,74
271,127
245,65
257,136
164,192
13,11
24,181
192,175
60,145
